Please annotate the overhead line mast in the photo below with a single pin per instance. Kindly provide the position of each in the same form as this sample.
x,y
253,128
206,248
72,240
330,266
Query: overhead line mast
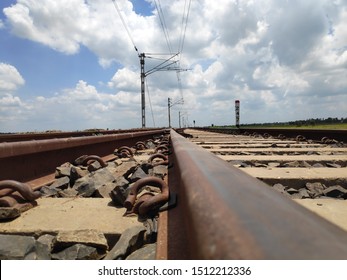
x,y
167,65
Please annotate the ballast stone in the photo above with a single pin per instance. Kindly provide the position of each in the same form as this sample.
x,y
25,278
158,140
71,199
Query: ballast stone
x,y
130,240
78,252
147,252
87,185
92,238
23,249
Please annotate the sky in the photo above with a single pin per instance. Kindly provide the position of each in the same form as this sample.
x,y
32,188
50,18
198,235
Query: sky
x,y
71,64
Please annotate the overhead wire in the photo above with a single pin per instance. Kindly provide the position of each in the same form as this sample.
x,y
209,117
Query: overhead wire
x,y
150,102
163,24
184,24
125,25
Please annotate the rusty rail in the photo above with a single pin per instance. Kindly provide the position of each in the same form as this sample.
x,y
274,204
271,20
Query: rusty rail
x,y
222,213
19,137
28,160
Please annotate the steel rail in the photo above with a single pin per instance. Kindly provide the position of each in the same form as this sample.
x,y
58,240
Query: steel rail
x,y
17,137
28,160
222,213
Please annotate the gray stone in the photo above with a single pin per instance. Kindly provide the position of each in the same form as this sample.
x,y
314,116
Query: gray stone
x,y
333,165
61,183
63,170
120,192
95,165
80,160
80,172
137,175
105,190
292,164
239,163
318,165
125,169
282,189
279,187
305,164
273,164
244,153
111,165
335,191
102,177
92,238
70,192
159,171
150,145
296,196
315,189
130,240
49,191
9,213
16,247
152,230
303,192
44,245
78,252
292,191
87,185
259,165
148,252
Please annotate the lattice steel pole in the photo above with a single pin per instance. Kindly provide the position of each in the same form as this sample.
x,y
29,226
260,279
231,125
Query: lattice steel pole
x,y
237,113
143,99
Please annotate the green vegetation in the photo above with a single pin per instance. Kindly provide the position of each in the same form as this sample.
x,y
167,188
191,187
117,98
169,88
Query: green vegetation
x,y
322,126
329,123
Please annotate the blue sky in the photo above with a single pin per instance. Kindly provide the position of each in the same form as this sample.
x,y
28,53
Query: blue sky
x,y
70,64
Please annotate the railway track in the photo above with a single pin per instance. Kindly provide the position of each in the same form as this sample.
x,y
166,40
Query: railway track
x,y
240,203
312,173
288,161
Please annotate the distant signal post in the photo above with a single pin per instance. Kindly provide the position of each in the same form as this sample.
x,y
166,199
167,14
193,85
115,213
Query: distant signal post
x,y
237,113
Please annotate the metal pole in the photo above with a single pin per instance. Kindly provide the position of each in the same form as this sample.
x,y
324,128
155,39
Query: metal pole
x,y
237,113
179,118
168,107
143,100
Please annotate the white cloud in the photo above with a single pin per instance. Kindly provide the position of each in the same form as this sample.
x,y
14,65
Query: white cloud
x,y
10,101
276,56
65,25
125,79
10,78
80,107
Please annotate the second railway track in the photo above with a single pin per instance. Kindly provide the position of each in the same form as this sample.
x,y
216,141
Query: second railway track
x,y
243,202
289,162
312,173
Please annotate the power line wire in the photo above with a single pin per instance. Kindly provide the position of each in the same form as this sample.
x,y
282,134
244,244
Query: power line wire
x,y
150,103
163,24
184,24
185,18
125,25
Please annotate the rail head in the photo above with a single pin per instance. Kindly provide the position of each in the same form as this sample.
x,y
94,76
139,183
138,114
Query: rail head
x,y
231,215
12,149
28,160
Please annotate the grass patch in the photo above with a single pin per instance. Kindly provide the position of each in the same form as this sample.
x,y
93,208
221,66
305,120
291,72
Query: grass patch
x,y
341,126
